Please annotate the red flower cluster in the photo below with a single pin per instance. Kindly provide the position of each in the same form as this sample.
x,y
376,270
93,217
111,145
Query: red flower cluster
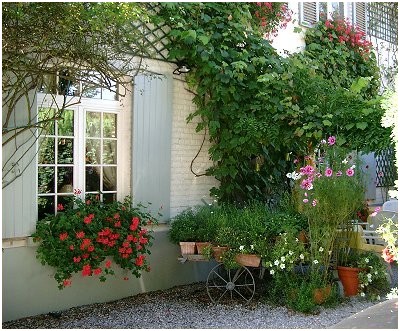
x,y
107,237
346,33
271,16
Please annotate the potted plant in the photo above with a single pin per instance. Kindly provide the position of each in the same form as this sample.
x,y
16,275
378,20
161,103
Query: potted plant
x,y
183,229
363,273
88,236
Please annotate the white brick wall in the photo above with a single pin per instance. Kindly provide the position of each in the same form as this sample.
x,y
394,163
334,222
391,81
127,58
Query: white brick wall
x,y
187,189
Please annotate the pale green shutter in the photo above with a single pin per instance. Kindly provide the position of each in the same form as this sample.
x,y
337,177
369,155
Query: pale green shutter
x,y
151,155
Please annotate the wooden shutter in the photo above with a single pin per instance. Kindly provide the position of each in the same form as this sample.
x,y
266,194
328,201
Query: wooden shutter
x,y
308,13
151,155
360,16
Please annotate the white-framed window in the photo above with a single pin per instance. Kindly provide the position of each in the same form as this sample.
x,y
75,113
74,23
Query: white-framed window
x,y
78,151
88,86
312,12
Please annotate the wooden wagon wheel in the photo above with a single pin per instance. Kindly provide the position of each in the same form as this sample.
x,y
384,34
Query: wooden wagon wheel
x,y
230,284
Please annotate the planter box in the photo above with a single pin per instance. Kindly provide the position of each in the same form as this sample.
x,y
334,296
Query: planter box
x,y
188,248
248,260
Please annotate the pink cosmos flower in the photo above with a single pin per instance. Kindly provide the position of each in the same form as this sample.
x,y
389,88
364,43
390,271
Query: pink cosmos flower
x,y
306,184
305,200
328,172
331,140
350,172
307,170
339,173
314,203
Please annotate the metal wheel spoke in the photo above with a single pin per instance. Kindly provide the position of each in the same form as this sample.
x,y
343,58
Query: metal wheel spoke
x,y
237,274
244,285
242,295
221,295
219,276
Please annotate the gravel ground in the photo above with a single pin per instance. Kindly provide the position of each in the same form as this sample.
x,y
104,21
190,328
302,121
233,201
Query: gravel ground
x,y
186,307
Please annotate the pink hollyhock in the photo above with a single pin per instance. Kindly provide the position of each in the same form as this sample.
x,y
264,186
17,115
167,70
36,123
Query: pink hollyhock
x,y
328,172
63,236
350,172
331,140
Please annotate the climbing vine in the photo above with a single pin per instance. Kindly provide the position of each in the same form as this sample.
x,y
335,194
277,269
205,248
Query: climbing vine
x,y
257,106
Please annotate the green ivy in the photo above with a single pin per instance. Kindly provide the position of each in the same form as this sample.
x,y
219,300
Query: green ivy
x,y
259,107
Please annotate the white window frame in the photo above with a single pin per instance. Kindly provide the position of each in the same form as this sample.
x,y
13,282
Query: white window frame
x,y
79,164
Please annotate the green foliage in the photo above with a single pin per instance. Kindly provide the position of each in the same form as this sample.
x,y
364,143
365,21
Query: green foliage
x,y
83,234
259,107
183,227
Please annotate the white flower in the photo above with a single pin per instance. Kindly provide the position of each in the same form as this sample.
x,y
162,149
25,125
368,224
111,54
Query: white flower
x,y
362,285
321,249
272,272
241,248
276,262
376,272
315,261
366,260
352,167
362,294
270,265
289,175
290,253
378,297
297,239
283,259
330,252
251,246
369,276
282,266
345,161
302,256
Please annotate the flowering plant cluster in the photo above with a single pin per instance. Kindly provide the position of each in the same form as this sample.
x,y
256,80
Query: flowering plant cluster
x,y
287,252
329,191
88,237
343,32
389,231
271,16
372,277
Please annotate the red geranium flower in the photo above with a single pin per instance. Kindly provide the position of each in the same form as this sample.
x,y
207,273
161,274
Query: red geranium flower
x,y
60,207
63,236
67,282
97,271
108,264
80,235
86,270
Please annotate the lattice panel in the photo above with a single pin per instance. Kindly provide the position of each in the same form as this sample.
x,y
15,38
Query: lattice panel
x,y
383,21
386,172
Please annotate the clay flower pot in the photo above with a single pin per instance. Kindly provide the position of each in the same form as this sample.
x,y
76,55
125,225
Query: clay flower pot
x,y
218,251
201,245
349,278
248,260
187,248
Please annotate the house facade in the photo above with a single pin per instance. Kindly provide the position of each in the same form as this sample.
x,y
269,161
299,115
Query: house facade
x,y
138,145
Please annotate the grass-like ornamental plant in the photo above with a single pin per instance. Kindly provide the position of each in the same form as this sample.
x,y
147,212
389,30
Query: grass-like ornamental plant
x,y
88,237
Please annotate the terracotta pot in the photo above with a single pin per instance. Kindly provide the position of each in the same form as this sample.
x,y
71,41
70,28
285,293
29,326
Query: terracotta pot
x,y
200,246
321,294
187,248
349,278
248,260
303,237
218,251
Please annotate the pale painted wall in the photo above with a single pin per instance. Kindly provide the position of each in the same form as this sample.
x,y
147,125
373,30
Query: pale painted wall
x,y
25,280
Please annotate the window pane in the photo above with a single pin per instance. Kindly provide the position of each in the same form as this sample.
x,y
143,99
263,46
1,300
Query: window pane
x,y
110,125
109,178
67,85
46,151
109,197
92,179
45,206
92,151
65,180
109,152
109,95
46,179
66,123
65,151
91,91
93,124
47,125
66,201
